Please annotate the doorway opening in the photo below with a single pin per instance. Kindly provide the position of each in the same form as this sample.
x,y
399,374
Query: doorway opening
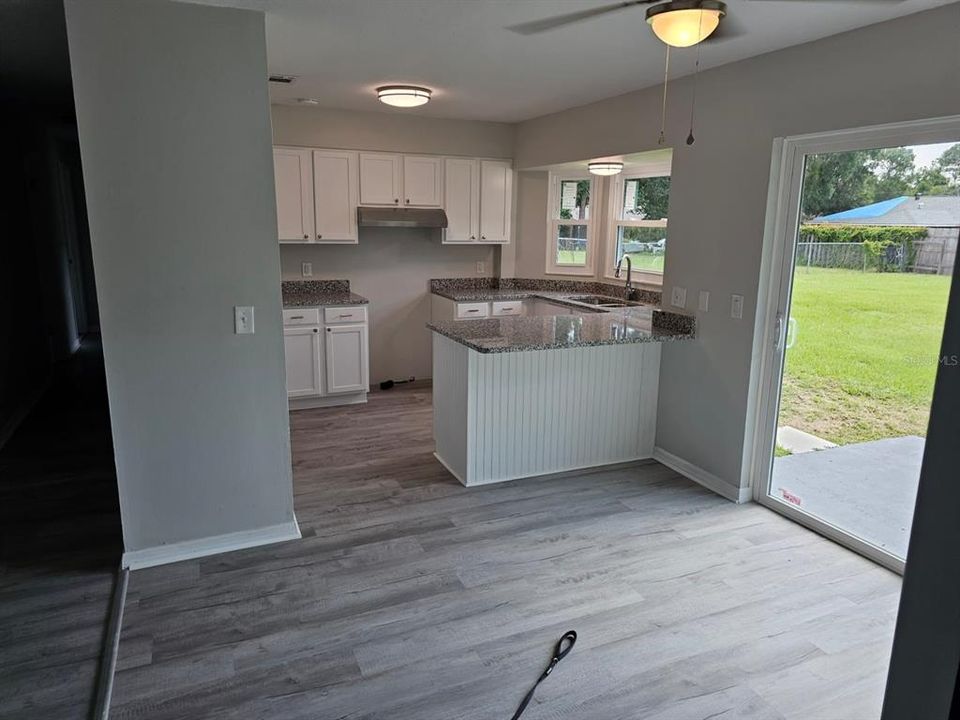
x,y
866,238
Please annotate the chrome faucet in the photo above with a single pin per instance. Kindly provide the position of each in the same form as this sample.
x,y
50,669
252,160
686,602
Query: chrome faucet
x,y
629,286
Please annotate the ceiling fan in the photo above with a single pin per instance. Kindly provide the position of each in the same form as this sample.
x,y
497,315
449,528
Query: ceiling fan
x,y
663,14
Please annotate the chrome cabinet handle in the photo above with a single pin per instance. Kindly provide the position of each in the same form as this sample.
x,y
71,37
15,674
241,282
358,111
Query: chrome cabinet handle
x,y
319,236
407,201
473,237
483,237
473,311
396,201
296,317
346,315
316,330
306,237
329,330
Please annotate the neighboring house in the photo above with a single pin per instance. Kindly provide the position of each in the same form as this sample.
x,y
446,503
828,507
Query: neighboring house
x,y
940,214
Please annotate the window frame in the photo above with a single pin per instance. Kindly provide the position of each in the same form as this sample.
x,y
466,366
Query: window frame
x,y
615,222
554,222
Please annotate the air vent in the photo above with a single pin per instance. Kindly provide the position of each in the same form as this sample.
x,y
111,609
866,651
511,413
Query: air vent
x,y
285,79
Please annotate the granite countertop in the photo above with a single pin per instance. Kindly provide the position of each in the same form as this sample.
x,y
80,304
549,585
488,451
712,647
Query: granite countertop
x,y
319,293
547,332
645,322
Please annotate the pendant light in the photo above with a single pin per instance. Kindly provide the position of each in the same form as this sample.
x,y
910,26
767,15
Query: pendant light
x,y
404,96
683,23
605,167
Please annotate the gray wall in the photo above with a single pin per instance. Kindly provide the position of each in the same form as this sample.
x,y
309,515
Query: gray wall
x,y
391,267
174,126
719,189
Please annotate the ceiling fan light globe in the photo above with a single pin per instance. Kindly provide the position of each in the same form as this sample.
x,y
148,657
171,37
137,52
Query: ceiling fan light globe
x,y
680,25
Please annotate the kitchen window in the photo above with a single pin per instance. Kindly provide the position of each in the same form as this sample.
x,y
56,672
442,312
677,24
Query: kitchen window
x,y
638,221
570,243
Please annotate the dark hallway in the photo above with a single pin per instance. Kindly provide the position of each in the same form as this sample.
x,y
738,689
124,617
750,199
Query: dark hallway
x,y
60,536
61,546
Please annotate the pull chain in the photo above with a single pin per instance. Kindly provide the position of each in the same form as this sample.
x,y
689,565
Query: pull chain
x,y
663,112
696,73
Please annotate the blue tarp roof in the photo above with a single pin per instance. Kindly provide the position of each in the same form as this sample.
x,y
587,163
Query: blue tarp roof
x,y
867,211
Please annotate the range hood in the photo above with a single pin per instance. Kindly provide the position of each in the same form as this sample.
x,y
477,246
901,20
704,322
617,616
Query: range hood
x,y
401,217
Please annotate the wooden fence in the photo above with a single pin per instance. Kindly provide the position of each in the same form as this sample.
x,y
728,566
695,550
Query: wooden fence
x,y
937,252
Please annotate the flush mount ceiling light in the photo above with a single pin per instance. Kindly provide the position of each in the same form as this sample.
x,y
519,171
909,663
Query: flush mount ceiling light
x,y
605,167
682,23
404,96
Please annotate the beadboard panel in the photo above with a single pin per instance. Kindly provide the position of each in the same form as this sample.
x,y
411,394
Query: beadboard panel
x,y
450,419
542,412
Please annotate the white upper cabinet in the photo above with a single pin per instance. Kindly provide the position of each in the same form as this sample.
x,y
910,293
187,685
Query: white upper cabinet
x,y
293,178
381,180
496,200
335,189
422,181
461,200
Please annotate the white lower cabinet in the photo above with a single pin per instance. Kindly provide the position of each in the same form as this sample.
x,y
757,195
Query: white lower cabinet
x,y
346,358
301,348
326,355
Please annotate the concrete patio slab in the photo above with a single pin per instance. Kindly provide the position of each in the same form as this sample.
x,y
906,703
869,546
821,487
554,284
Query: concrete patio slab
x,y
867,489
798,441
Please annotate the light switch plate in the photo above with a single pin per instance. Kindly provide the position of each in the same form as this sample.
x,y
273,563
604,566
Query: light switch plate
x,y
243,319
306,269
736,307
481,267
679,297
704,304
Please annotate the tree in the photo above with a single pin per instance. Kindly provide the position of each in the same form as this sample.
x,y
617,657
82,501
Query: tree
x,y
833,182
893,174
949,162
931,181
653,197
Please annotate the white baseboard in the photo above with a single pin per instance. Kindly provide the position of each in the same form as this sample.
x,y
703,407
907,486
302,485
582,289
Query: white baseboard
x,y
581,470
228,542
702,477
327,401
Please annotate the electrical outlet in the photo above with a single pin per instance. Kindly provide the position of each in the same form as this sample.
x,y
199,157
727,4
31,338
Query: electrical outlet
x,y
481,267
736,307
306,269
704,303
243,319
679,297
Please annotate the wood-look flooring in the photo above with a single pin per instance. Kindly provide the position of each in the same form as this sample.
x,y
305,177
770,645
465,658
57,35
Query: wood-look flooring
x,y
412,597
60,546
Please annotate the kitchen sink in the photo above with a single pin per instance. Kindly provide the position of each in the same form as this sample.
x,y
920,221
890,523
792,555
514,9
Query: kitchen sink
x,y
603,301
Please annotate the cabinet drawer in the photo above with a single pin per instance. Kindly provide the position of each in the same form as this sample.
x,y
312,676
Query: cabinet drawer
x,y
470,311
333,315
302,316
507,307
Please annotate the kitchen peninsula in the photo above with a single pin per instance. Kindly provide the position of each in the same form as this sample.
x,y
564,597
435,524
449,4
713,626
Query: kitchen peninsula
x,y
567,380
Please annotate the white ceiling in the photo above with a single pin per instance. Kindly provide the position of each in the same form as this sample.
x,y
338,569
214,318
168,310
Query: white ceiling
x,y
342,49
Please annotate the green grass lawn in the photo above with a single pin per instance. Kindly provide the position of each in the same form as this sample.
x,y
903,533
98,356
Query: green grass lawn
x,y
641,261
866,353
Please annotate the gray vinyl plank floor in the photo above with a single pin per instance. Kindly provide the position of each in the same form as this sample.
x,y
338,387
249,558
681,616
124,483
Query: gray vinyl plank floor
x,y
410,596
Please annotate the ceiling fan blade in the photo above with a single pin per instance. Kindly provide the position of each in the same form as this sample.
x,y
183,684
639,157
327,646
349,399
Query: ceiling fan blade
x,y
850,2
538,26
729,28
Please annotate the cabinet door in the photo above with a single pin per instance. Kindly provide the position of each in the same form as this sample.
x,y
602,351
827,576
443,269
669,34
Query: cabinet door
x,y
335,188
301,349
346,357
496,198
461,200
293,179
380,180
422,181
